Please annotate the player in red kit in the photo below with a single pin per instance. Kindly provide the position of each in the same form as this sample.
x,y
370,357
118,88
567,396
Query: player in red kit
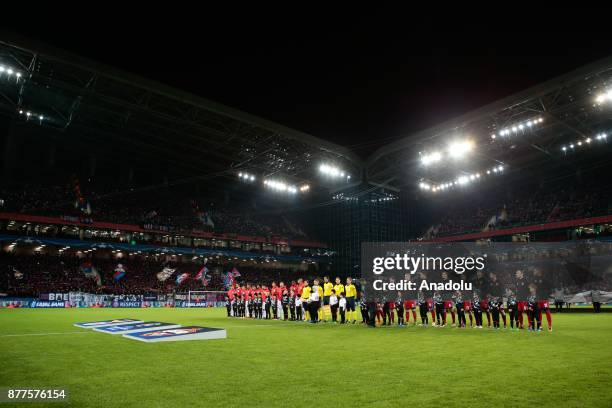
x,y
521,308
379,313
543,305
448,301
410,306
432,310
467,308
449,307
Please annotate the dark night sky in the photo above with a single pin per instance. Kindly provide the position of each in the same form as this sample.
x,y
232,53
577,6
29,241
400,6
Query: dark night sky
x,y
360,84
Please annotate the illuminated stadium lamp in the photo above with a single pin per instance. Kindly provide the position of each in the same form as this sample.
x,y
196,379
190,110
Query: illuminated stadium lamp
x,y
427,159
424,186
463,180
519,127
333,171
280,186
246,176
458,150
304,188
604,97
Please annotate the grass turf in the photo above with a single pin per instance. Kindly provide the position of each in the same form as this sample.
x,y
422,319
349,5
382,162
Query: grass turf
x,y
271,363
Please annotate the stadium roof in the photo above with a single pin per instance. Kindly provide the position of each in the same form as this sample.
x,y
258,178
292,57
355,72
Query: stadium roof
x,y
524,131
122,115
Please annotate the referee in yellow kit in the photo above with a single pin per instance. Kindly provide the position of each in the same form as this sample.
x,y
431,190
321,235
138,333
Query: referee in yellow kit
x,y
351,293
305,297
327,291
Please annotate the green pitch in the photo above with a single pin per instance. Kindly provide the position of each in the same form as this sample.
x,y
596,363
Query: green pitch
x,y
271,363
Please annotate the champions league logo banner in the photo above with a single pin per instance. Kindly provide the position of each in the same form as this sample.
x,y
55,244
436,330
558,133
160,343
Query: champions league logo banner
x,y
134,328
105,323
478,271
179,334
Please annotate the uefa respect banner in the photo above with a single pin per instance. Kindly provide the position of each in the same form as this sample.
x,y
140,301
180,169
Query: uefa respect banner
x,y
485,270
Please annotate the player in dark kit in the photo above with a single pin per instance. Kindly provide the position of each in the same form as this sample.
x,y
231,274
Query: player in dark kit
x,y
423,309
534,313
495,306
285,304
235,306
250,307
228,306
399,308
292,304
274,307
476,307
512,307
460,309
363,305
439,307
258,305
268,305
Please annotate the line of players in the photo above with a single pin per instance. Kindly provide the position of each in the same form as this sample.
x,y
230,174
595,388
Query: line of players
x,y
494,309
301,301
304,301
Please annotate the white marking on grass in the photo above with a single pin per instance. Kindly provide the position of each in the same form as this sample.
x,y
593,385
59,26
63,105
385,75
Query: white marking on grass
x,y
42,334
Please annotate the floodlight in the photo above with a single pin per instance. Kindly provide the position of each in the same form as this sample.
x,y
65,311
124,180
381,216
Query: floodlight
x,y
459,149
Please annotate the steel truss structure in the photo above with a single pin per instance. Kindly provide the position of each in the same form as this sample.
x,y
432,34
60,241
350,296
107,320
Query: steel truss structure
x,y
158,126
569,112
123,115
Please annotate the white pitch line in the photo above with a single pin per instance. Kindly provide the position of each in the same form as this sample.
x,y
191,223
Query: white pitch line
x,y
42,334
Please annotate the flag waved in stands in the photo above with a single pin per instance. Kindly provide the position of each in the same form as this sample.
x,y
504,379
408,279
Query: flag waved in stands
x,y
119,273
